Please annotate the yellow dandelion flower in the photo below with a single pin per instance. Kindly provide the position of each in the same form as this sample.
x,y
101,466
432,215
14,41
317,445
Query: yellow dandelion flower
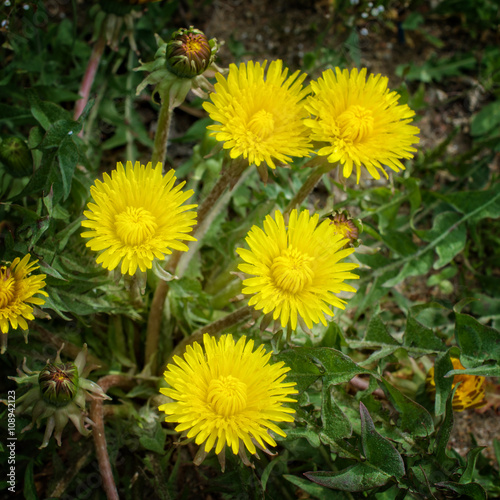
x,y
470,392
17,292
296,270
228,395
260,118
361,122
137,216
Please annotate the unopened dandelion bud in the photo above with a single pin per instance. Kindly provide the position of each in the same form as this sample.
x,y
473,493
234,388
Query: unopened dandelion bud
x,y
16,157
189,53
58,395
346,226
59,383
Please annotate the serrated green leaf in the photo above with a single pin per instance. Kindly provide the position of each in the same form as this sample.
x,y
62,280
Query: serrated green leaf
x,y
45,112
302,369
267,471
58,132
478,342
336,425
40,180
444,432
358,477
442,366
377,332
484,121
414,267
401,243
29,489
476,205
462,303
487,370
377,449
311,435
152,444
470,490
376,337
418,335
449,223
68,159
315,490
14,114
63,236
338,367
415,419
471,464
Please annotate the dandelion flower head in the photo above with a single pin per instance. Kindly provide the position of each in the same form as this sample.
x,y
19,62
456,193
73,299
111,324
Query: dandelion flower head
x,y
137,215
228,394
17,293
296,270
361,122
261,116
469,394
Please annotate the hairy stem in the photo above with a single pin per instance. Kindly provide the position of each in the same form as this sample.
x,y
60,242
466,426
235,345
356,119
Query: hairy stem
x,y
162,131
89,76
101,448
318,168
228,177
213,329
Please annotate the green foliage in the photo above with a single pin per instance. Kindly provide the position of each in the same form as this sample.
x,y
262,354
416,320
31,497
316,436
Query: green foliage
x,y
428,291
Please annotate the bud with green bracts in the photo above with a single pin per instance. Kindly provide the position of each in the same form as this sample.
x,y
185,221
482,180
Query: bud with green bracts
x,y
58,383
181,65
16,157
189,53
58,395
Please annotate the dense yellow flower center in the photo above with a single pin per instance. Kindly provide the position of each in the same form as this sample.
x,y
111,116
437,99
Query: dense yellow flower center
x,y
292,271
262,124
356,123
135,226
192,45
7,288
227,395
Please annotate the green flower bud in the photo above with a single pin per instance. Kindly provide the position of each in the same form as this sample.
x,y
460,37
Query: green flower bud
x,y
59,383
16,157
189,53
347,226
59,396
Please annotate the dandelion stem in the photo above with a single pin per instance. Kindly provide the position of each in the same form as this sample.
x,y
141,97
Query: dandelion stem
x,y
162,131
213,328
96,414
89,77
228,177
319,167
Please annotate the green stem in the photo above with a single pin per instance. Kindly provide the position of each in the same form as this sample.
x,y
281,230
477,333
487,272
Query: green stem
x,y
319,167
162,131
213,328
228,177
211,207
128,108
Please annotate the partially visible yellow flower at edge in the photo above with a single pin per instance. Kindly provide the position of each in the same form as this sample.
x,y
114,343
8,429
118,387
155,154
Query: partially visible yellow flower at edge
x,y
261,117
296,270
469,394
17,293
228,395
361,122
138,215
